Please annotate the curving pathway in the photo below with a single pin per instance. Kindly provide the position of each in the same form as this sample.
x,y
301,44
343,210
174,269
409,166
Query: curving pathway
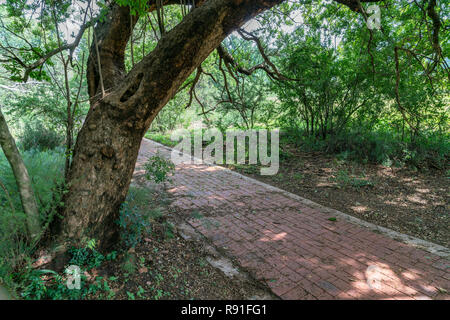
x,y
296,246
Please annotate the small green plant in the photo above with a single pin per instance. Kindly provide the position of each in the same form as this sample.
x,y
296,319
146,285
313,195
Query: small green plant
x,y
140,292
298,176
86,256
131,296
343,179
158,169
159,294
202,262
134,222
196,215
111,256
169,230
286,155
129,263
48,284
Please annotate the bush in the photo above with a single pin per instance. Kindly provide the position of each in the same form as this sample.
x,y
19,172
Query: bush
x,y
48,284
386,148
37,136
133,220
379,147
158,169
161,138
87,256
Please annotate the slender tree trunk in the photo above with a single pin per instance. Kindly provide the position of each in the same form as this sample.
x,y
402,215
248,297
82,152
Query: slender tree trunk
x,y
69,121
22,179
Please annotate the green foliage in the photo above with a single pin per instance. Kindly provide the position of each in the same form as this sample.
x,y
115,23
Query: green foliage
x,y
173,116
133,220
385,147
137,7
87,256
169,230
129,263
48,284
343,100
37,136
46,171
45,284
45,168
344,179
346,99
161,138
158,169
381,146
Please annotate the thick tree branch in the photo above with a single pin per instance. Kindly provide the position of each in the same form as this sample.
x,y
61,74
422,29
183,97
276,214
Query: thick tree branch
x,y
270,70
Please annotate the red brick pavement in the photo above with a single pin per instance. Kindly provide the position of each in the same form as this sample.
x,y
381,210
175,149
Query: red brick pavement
x,y
294,248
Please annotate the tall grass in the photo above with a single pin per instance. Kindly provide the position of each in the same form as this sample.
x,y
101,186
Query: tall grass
x,y
386,147
46,171
36,135
431,150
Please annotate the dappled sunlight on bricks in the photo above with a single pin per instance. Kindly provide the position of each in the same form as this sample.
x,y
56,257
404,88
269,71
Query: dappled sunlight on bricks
x,y
270,236
294,248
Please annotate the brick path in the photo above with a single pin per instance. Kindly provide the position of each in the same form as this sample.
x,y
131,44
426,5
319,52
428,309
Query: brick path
x,y
292,246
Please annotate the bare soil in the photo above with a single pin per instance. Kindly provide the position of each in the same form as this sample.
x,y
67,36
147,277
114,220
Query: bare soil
x,y
166,266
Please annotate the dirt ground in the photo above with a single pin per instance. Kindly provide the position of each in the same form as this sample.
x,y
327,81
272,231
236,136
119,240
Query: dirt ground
x,y
166,266
411,202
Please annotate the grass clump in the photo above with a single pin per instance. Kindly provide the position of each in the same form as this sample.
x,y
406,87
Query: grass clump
x,y
46,170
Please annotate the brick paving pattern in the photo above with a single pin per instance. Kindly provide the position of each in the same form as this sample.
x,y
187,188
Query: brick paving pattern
x,y
294,248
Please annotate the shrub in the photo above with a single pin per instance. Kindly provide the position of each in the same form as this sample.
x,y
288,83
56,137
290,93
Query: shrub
x,y
158,169
133,220
46,171
87,256
161,138
14,250
48,284
381,147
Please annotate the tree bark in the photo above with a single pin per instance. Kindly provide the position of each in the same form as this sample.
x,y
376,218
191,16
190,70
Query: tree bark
x,y
108,143
22,179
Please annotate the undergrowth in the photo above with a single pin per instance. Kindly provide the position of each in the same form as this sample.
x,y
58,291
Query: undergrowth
x,y
428,151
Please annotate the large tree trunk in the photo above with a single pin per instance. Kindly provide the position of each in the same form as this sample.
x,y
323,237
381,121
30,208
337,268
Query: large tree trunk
x,y
23,181
108,144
